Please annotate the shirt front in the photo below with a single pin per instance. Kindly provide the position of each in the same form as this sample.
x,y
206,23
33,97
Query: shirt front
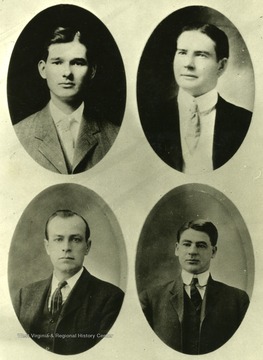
x,y
202,282
67,126
65,291
201,160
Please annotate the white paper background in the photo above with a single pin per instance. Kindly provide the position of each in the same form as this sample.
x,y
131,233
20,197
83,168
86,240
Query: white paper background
x,y
131,178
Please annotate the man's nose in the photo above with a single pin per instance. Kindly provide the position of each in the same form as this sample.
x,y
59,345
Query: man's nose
x,y
189,61
66,70
192,249
66,245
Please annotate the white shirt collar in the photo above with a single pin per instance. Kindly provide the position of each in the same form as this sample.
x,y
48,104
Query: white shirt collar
x,y
70,282
205,102
202,278
58,115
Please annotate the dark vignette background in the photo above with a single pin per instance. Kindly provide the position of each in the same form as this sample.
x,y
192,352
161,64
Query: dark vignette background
x,y
156,84
155,259
27,91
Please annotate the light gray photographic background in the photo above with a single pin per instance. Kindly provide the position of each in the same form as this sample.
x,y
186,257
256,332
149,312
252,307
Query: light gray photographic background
x,y
131,178
156,261
28,260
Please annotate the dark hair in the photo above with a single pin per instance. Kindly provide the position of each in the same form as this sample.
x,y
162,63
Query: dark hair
x,y
200,225
218,36
66,214
61,35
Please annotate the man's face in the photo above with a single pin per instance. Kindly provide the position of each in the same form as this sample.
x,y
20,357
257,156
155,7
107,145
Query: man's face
x,y
66,70
195,251
196,67
66,244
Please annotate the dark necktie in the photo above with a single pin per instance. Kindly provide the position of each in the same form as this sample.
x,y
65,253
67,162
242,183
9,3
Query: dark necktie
x,y
56,300
194,293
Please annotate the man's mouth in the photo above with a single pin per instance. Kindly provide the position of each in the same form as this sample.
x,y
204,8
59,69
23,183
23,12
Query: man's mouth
x,y
66,258
189,76
67,84
192,261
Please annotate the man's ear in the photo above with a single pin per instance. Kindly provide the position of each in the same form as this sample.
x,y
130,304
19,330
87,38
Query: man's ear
x,y
42,69
214,251
46,243
93,71
88,246
222,65
176,248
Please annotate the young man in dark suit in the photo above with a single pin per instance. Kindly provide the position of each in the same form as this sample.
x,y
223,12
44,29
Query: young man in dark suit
x,y
195,314
72,310
198,131
63,137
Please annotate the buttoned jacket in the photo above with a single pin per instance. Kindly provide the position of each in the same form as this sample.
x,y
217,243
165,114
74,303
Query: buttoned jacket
x,y
223,309
90,309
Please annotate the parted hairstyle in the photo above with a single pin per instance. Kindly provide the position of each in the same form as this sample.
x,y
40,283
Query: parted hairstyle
x,y
60,35
217,35
66,214
202,226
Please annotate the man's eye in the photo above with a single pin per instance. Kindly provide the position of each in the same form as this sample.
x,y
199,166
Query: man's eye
x,y
203,55
186,244
181,52
76,239
79,63
57,62
58,239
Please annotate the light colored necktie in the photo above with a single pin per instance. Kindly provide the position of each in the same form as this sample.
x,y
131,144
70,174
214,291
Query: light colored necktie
x,y
68,128
193,129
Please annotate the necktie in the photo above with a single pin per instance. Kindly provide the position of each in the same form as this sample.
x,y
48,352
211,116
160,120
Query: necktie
x,y
193,128
194,293
68,130
56,300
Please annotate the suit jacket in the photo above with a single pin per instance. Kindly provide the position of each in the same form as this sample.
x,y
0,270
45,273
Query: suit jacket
x,y
91,308
231,125
222,311
37,133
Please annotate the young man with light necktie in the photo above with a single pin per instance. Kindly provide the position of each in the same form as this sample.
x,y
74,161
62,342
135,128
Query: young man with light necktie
x,y
198,131
63,137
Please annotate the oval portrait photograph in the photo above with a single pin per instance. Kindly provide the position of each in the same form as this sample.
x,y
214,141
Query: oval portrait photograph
x,y
194,269
195,90
66,89
67,269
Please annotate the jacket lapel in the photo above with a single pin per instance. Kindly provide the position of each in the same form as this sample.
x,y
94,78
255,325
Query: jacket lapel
x,y
177,298
78,293
210,299
86,140
221,136
49,144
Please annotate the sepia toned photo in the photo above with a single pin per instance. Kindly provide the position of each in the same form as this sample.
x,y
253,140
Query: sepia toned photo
x,y
131,179
62,101
188,121
194,286
61,305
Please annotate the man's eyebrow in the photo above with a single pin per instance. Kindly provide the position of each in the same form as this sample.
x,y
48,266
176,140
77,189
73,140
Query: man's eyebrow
x,y
203,52
79,59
